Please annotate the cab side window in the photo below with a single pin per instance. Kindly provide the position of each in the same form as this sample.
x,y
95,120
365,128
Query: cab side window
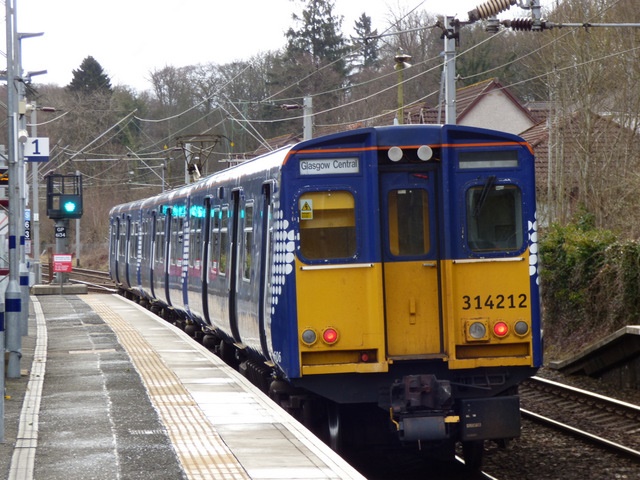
x,y
327,225
494,218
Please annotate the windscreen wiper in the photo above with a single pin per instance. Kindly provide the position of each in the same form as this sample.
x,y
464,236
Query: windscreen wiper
x,y
483,195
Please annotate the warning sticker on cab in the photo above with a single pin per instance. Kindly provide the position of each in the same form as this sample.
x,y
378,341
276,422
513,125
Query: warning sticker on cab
x,y
306,209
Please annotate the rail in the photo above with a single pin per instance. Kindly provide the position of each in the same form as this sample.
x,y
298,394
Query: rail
x,y
605,421
97,281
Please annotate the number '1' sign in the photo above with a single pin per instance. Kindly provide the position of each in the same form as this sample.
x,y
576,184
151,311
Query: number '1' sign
x,y
36,149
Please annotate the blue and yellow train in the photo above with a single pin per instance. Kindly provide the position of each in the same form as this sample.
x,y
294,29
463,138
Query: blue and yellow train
x,y
388,269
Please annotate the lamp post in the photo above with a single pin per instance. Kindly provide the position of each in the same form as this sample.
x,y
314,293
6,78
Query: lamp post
x,y
35,207
401,63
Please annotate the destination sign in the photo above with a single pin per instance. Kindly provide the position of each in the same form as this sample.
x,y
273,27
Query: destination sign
x,y
328,166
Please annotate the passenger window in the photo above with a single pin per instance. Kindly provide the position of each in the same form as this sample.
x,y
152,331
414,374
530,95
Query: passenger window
x,y
327,225
409,222
144,227
114,238
176,240
248,240
214,241
133,241
159,244
195,250
122,244
494,217
224,240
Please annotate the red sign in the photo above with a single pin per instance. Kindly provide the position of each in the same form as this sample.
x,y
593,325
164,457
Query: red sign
x,y
62,263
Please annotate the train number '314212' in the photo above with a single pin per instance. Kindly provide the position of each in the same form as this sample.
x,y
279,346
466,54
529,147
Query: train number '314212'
x,y
494,301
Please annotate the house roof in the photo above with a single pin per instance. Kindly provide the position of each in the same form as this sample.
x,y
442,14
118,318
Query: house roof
x,y
467,98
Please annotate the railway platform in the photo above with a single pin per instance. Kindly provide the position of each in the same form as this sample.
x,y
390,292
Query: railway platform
x,y
615,358
109,391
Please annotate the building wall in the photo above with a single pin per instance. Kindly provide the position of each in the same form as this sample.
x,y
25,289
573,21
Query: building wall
x,y
498,112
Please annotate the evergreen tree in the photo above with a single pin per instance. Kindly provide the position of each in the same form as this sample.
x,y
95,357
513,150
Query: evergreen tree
x,y
319,36
90,78
365,37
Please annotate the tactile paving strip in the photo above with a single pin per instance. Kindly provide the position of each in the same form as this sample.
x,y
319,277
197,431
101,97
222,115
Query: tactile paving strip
x,y
202,452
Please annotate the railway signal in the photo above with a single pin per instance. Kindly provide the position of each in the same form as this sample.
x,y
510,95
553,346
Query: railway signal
x,y
71,206
64,196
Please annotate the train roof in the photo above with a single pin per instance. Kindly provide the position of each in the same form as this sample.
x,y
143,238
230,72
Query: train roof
x,y
381,135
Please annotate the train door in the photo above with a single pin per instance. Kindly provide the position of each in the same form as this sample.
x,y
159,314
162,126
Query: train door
x,y
169,251
129,252
265,266
205,253
122,250
115,249
234,261
410,264
152,253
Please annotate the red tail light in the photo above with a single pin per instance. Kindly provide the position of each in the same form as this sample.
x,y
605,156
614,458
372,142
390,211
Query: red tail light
x,y
500,329
330,336
368,356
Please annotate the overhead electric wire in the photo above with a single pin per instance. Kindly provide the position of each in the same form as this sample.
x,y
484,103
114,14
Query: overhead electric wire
x,y
379,92
345,56
194,106
262,141
575,65
178,115
548,44
90,143
182,129
48,121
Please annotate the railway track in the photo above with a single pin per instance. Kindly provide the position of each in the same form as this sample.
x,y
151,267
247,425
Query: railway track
x,y
97,281
605,421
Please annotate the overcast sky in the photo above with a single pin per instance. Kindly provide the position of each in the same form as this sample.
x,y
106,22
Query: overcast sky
x,y
131,38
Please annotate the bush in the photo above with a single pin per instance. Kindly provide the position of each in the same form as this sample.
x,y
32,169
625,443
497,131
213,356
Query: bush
x,y
591,285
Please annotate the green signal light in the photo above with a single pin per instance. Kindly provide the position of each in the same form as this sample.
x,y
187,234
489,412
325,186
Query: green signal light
x,y
70,206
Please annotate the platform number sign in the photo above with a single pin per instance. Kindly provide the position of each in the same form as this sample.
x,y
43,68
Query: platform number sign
x,y
36,149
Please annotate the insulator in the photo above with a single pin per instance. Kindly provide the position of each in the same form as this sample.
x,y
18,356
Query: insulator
x,y
489,9
521,24
527,24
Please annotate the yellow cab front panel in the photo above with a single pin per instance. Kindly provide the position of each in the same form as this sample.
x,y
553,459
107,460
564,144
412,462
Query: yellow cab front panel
x,y
415,257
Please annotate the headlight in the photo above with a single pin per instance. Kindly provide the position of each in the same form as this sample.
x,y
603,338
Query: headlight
x,y
477,330
521,328
309,337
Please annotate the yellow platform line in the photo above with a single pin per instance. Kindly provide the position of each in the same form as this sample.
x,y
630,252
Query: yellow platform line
x,y
202,452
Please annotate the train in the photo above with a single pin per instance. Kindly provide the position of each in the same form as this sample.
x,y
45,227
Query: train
x,y
389,270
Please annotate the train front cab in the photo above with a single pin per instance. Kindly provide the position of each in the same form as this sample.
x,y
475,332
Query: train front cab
x,y
469,280
448,313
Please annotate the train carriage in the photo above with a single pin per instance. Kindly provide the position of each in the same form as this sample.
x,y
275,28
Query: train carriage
x,y
387,266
